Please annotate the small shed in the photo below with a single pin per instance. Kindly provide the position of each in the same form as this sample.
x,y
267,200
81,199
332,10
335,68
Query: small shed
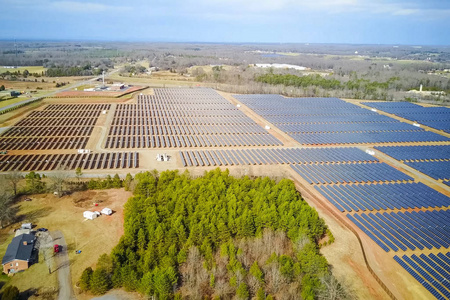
x,y
90,215
106,211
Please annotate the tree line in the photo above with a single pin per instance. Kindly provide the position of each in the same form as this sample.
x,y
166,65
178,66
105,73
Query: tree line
x,y
369,88
215,236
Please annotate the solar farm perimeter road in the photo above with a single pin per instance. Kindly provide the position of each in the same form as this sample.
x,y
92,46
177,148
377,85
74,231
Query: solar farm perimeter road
x,y
58,91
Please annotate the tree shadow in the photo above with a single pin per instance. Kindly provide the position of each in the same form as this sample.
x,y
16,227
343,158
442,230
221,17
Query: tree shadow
x,y
32,216
27,293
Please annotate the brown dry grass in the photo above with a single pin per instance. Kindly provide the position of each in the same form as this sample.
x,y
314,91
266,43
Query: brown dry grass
x,y
93,237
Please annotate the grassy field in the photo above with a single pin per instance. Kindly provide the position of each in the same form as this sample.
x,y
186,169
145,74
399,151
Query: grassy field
x,y
65,214
5,101
84,86
288,53
27,85
31,69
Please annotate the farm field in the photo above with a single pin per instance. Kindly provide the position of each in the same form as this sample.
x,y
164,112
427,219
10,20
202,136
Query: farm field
x,y
31,69
378,178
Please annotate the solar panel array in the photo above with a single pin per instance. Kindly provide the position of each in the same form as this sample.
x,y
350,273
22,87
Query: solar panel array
x,y
184,118
406,230
432,271
58,126
273,156
434,169
417,153
436,117
433,161
48,162
346,173
324,121
372,197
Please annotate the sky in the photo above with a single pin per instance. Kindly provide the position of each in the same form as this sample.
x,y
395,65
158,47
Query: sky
x,y
408,22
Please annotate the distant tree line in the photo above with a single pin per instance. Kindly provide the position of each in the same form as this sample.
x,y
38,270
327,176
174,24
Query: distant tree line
x,y
367,87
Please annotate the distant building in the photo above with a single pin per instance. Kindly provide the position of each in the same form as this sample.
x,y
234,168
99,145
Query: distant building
x,y
18,254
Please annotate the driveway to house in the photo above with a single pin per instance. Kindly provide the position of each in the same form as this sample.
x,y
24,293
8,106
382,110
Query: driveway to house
x,y
62,266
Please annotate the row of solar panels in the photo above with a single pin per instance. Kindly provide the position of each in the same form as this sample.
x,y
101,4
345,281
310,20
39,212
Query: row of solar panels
x,y
382,196
274,101
186,130
17,131
40,143
206,120
180,141
435,169
152,111
64,114
273,156
416,152
346,173
408,230
432,271
436,117
77,107
48,162
56,122
368,137
353,118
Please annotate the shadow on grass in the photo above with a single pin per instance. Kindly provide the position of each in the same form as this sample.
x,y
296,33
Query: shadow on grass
x,y
32,216
27,293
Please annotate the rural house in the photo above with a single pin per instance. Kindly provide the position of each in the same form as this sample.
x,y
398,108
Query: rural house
x,y
18,254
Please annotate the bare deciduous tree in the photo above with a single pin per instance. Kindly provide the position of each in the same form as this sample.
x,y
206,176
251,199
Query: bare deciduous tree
x,y
194,274
6,211
14,177
59,178
334,290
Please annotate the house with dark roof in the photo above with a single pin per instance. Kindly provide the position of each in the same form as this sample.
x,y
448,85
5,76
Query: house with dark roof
x,y
18,254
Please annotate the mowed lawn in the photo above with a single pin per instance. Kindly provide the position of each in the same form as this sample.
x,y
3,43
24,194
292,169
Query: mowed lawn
x,y
10,100
92,237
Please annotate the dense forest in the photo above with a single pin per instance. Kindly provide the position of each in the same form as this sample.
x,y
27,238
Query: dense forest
x,y
217,237
367,88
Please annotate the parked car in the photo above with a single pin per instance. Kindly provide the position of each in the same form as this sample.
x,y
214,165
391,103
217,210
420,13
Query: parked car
x,y
27,199
42,229
57,248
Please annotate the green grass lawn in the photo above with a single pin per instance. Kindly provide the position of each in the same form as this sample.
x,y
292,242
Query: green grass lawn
x,y
84,86
31,69
5,101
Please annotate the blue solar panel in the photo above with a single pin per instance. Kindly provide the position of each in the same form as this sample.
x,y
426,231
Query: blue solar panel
x,y
413,234
424,271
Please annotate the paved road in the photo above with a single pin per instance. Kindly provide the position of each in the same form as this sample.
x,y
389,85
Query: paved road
x,y
62,266
71,87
